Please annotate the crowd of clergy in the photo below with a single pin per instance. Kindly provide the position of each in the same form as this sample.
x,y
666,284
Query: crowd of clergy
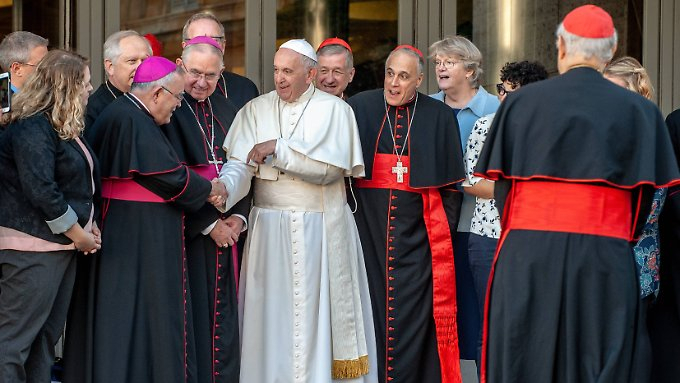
x,y
175,225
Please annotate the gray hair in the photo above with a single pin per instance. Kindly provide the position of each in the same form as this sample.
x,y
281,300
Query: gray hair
x,y
601,49
465,50
201,16
307,63
203,48
421,62
17,47
141,87
336,49
112,44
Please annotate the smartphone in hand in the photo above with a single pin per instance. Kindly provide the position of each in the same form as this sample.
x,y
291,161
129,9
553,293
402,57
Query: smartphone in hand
x,y
5,92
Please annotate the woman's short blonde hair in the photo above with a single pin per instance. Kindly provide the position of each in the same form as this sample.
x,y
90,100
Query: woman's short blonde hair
x,y
631,72
54,88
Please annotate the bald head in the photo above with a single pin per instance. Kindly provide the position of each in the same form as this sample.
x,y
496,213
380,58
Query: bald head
x,y
203,24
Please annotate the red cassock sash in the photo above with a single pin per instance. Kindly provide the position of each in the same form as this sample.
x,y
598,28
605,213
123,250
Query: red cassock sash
x,y
443,269
566,207
127,190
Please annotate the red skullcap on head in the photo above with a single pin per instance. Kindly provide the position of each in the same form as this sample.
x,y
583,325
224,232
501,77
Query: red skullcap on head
x,y
156,45
411,48
589,21
335,41
154,68
204,40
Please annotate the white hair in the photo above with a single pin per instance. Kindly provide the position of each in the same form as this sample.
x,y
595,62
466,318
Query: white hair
x,y
307,62
112,44
203,48
601,49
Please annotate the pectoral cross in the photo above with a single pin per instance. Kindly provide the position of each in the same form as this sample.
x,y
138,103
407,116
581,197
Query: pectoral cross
x,y
399,170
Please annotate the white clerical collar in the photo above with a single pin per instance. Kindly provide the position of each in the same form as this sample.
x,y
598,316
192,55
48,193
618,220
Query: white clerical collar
x,y
140,101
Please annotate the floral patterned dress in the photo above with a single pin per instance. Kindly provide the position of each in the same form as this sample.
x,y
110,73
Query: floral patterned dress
x,y
647,248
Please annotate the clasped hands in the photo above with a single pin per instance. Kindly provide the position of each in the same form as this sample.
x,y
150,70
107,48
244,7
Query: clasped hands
x,y
226,231
87,242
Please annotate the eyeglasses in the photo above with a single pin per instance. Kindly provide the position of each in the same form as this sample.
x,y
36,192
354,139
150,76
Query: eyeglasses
x,y
448,64
216,38
502,91
179,96
29,64
196,74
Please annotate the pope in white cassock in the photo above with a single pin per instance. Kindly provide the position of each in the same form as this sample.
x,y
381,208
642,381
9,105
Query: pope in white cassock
x,y
304,305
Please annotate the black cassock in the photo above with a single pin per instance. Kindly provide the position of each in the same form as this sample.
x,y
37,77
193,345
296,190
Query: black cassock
x,y
137,316
394,237
570,153
237,89
664,314
213,270
96,103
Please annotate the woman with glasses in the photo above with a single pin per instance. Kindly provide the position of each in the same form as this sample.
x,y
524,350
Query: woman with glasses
x,y
485,228
46,199
458,67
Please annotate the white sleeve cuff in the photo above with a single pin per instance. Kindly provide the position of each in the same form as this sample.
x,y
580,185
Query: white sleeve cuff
x,y
245,221
63,223
208,229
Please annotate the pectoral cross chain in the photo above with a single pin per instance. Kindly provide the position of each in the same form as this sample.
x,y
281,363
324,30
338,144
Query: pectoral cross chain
x,y
215,162
400,170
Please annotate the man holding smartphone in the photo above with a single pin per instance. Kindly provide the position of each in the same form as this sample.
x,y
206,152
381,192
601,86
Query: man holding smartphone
x,y
20,52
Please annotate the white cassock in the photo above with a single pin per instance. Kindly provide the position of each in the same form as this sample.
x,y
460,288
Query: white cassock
x,y
284,294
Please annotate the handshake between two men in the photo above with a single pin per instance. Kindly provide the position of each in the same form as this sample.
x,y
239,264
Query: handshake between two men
x,y
226,231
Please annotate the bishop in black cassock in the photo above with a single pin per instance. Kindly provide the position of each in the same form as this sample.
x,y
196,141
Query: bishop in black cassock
x,y
407,208
131,50
196,131
139,328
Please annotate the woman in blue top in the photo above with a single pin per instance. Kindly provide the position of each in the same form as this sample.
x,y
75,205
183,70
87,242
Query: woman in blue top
x,y
458,67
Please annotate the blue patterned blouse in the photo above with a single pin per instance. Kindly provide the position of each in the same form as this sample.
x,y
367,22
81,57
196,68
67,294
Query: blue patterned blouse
x,y
647,248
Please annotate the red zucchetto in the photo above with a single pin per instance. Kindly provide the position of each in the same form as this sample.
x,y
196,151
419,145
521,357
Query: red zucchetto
x,y
589,21
156,45
411,48
334,41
